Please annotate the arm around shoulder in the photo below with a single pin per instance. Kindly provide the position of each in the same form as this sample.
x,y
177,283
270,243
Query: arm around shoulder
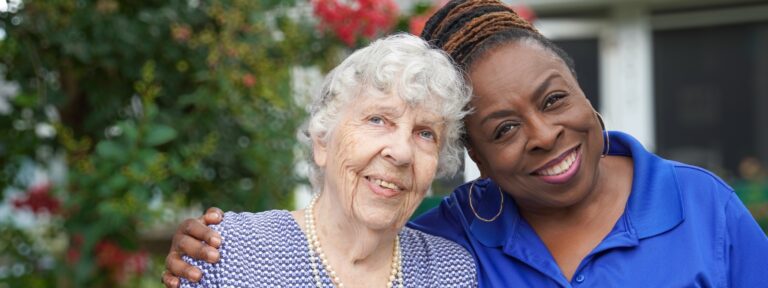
x,y
210,271
210,275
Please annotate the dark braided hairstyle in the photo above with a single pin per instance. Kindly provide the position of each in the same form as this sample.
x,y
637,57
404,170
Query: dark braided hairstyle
x,y
467,29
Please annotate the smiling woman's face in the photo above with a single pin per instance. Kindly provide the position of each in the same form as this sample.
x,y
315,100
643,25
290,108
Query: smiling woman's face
x,y
380,159
533,130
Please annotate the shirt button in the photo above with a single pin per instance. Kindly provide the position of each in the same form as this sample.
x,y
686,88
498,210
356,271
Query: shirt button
x,y
580,278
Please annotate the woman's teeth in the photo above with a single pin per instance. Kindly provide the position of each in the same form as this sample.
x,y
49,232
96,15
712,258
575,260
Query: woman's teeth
x,y
561,167
385,184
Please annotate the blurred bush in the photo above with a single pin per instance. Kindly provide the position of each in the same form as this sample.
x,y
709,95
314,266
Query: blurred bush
x,y
754,193
148,106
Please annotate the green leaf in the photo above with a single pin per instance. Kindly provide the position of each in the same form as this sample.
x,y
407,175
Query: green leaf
x,y
129,130
110,150
159,134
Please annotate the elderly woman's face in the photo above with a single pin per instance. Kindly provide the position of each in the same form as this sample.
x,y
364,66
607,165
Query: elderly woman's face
x,y
534,132
380,159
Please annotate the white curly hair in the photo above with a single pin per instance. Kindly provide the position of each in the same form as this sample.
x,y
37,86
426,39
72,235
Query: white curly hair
x,y
402,65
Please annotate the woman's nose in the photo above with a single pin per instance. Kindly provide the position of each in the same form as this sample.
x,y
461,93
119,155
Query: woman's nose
x,y
542,135
399,149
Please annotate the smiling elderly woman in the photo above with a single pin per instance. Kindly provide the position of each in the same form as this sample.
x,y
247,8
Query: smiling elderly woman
x,y
387,118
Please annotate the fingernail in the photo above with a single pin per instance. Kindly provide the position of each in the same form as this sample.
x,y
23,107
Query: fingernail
x,y
215,241
195,274
213,254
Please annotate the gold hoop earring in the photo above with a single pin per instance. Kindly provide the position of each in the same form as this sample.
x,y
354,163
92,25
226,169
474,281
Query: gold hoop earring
x,y
501,206
606,137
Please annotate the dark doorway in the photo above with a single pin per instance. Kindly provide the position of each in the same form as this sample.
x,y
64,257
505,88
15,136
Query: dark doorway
x,y
711,95
585,54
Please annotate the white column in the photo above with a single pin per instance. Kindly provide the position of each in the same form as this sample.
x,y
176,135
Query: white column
x,y
471,171
626,81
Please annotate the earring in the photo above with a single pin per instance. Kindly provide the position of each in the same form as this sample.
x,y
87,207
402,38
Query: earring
x,y
501,206
606,137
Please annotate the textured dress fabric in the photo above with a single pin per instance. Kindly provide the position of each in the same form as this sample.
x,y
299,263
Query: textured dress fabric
x,y
268,249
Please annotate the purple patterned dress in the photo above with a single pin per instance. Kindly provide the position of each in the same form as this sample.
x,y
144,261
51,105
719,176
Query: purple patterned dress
x,y
268,249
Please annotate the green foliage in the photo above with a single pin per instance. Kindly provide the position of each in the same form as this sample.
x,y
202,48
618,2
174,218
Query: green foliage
x,y
754,193
172,101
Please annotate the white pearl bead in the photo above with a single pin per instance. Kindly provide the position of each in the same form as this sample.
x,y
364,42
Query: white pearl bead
x,y
317,255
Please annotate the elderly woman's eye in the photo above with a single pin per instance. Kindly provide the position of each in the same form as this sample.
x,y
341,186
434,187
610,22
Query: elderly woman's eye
x,y
552,99
378,120
426,134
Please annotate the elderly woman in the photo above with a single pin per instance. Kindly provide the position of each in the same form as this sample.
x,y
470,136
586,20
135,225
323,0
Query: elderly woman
x,y
387,118
566,203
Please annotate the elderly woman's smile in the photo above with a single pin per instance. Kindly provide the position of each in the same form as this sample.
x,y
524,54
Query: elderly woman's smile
x,y
385,188
385,185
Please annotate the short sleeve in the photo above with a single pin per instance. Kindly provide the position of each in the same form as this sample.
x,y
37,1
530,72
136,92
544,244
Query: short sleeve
x,y
747,247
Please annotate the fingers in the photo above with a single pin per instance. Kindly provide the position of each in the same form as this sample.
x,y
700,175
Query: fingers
x,y
213,216
179,268
169,280
188,240
199,231
186,245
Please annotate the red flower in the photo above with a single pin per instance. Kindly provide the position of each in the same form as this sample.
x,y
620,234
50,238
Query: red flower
x,y
249,80
181,32
109,255
73,255
359,18
119,262
525,12
417,23
137,262
73,252
38,199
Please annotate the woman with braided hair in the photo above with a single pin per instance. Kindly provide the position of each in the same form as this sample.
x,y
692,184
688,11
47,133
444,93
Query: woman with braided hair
x,y
564,203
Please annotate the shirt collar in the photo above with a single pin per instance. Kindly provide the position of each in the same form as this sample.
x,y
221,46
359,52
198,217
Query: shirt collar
x,y
654,205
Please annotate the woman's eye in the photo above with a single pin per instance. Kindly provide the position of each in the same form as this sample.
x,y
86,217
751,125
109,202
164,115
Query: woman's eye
x,y
429,135
378,120
504,129
551,100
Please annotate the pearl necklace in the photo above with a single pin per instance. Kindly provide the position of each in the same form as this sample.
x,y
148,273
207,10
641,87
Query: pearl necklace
x,y
316,255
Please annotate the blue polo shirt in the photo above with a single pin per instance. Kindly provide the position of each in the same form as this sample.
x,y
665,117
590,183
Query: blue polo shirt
x,y
682,227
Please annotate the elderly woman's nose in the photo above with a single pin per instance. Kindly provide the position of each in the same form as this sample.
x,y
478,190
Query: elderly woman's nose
x,y
399,149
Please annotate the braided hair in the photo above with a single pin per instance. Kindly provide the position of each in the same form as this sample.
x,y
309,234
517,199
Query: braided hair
x,y
467,29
